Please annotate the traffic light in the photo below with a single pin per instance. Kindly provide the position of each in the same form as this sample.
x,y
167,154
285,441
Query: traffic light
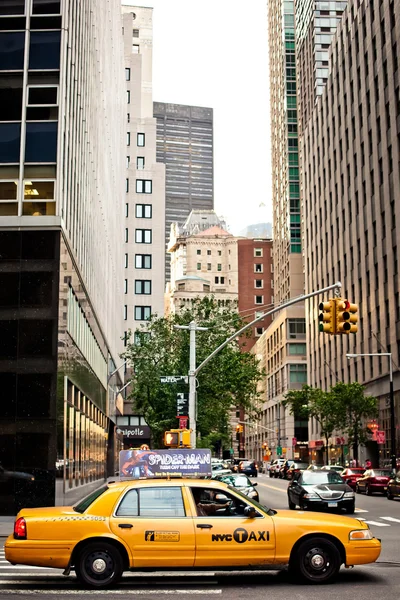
x,y
346,317
327,316
265,445
171,438
177,438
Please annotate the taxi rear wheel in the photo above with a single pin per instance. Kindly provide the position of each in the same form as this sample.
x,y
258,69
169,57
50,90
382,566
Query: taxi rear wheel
x,y
316,560
99,565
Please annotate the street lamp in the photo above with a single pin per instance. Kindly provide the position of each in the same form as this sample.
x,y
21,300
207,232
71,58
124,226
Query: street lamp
x,y
392,415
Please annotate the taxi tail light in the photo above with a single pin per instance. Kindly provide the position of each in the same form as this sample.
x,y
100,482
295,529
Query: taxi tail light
x,y
20,529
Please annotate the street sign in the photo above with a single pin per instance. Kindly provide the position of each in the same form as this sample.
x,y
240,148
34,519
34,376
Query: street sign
x,y
174,378
182,404
279,450
294,441
380,437
345,450
183,422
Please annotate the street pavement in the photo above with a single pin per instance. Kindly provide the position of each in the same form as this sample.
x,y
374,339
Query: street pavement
x,y
380,579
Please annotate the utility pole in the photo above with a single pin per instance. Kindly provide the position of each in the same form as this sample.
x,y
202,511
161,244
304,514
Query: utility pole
x,y
192,378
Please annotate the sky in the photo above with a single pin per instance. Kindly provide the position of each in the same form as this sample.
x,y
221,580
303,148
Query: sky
x,y
214,53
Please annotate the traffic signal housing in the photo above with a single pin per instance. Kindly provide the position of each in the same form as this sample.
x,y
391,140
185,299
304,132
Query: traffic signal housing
x,y
346,316
177,438
327,317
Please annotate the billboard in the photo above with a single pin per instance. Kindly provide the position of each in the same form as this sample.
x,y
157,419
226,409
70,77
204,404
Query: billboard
x,y
185,462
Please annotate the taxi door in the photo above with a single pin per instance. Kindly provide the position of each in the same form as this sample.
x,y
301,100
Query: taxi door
x,y
153,523
235,540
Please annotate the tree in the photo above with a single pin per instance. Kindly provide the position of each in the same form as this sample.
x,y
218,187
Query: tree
x,y
314,403
355,407
229,379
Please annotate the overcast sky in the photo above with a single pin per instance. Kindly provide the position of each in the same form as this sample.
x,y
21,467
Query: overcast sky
x,y
214,53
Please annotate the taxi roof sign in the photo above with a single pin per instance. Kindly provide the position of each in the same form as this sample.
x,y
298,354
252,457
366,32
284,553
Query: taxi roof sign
x,y
183,462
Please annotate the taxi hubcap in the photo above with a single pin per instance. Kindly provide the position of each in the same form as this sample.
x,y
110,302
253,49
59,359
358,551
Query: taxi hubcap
x,y
317,561
99,565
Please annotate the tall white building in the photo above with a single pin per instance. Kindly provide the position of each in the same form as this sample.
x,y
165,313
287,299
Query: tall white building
x,y
145,178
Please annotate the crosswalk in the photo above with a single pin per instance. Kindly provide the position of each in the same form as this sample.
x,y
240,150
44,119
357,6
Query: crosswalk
x,y
387,521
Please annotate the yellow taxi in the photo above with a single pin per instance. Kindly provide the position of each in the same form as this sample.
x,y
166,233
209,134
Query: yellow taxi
x,y
157,524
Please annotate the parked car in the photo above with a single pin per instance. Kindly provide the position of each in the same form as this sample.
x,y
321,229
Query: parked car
x,y
283,468
236,463
242,483
393,487
275,466
219,468
320,490
248,467
295,467
373,480
350,476
313,467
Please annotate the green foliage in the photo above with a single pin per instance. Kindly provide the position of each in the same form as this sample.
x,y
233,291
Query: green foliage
x,y
229,379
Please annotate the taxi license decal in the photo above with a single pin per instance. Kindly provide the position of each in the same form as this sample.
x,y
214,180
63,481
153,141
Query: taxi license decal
x,y
162,536
240,536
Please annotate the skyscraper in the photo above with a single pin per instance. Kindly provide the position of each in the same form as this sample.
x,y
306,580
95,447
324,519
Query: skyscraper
x,y
61,199
185,144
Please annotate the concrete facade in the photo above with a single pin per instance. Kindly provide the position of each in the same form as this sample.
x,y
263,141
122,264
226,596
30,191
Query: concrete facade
x,y
351,200
144,234
185,144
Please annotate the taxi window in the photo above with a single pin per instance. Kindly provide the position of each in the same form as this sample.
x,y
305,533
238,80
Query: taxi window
x,y
152,502
88,500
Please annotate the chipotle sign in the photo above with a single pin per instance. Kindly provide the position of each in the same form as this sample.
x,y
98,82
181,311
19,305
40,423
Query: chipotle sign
x,y
134,431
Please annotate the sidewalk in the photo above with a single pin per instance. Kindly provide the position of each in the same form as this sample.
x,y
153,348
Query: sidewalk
x,y
6,526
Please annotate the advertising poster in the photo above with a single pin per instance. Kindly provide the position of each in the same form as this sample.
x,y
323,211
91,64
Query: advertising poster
x,y
184,462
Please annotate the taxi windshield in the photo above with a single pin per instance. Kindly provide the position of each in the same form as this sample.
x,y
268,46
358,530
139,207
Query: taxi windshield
x,y
239,481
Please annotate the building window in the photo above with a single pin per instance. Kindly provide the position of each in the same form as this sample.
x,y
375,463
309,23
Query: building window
x,y
219,267
126,209
44,50
198,251
125,312
258,314
199,266
140,163
12,51
128,100
135,33
127,74
297,349
142,286
126,185
298,374
219,253
181,287
258,331
259,300
144,211
126,261
135,48
297,328
206,287
258,268
128,161
128,118
222,280
41,142
144,186
258,283
143,236
208,252
216,279
258,252
141,139
126,235
46,7
128,138
143,261
125,286
208,266
142,313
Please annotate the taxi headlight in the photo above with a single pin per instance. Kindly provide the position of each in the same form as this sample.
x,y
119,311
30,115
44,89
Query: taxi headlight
x,y
361,534
349,494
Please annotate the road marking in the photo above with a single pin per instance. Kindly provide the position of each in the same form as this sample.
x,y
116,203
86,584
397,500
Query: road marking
x,y
377,523
272,487
390,519
360,510
9,592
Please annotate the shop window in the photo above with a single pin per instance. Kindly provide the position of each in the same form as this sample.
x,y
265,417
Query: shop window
x,y
10,136
12,46
44,51
41,142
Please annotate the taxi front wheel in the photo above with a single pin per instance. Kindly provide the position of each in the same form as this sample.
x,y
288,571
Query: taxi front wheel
x,y
99,565
316,560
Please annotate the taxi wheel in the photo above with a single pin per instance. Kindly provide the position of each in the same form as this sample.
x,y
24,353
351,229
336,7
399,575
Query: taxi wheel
x,y
316,560
99,565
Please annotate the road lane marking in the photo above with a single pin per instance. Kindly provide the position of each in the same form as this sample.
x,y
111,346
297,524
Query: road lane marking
x,y
392,519
377,523
272,487
360,510
156,592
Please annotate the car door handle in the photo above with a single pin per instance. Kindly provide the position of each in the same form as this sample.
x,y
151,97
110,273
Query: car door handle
x,y
203,526
125,526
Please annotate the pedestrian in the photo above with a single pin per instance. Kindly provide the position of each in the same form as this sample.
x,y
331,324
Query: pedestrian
x,y
368,464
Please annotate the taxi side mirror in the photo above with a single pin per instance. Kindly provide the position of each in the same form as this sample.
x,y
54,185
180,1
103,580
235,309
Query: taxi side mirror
x,y
250,512
221,498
